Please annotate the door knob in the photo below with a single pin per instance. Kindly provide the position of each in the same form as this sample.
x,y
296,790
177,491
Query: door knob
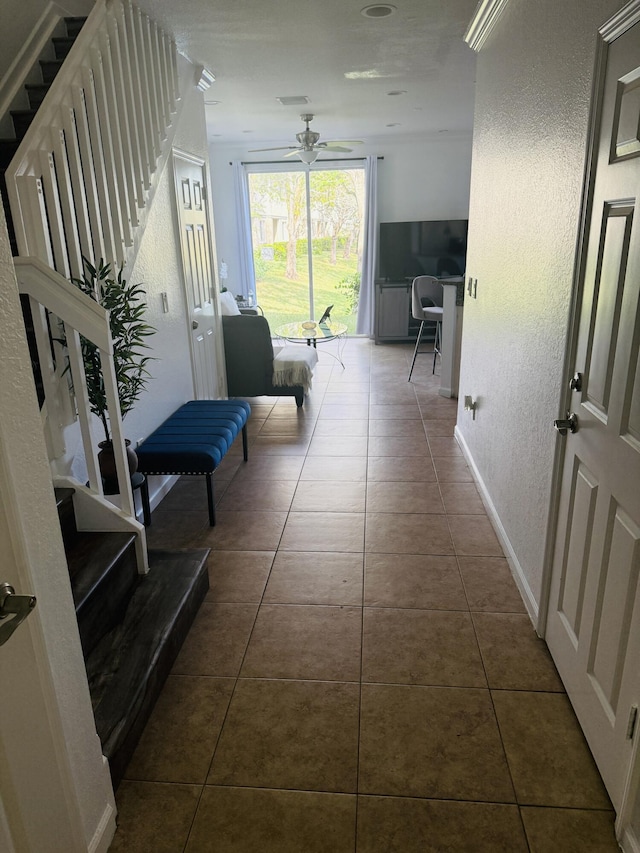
x,y
568,425
194,324
18,606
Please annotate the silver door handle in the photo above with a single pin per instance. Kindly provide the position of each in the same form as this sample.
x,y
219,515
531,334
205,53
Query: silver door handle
x,y
568,425
18,606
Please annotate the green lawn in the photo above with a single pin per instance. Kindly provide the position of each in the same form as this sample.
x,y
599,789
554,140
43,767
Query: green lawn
x,y
284,300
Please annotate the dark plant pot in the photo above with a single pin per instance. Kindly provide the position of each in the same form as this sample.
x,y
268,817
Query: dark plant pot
x,y
107,463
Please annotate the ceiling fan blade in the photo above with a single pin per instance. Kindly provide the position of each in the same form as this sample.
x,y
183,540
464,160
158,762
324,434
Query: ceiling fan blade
x,y
333,142
280,148
292,153
339,148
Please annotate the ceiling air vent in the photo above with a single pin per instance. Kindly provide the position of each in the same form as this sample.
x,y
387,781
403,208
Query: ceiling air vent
x,y
293,100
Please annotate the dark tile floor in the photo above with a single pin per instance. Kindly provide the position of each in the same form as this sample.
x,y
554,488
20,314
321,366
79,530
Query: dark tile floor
x,y
363,675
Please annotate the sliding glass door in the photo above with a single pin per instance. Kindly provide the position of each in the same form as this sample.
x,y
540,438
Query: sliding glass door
x,y
307,236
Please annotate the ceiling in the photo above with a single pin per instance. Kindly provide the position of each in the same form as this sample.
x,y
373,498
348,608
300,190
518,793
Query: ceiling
x,y
345,63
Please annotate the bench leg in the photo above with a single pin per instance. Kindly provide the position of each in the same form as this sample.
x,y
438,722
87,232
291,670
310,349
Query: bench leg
x,y
245,446
212,511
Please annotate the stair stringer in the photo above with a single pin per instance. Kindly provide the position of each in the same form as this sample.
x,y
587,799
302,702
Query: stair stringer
x,y
94,512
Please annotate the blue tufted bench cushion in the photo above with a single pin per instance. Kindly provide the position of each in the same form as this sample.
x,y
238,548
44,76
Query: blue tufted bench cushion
x,y
194,440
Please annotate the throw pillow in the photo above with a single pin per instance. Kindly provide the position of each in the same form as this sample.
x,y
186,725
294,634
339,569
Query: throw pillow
x,y
228,304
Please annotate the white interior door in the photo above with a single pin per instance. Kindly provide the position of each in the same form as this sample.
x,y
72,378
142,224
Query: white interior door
x,y
593,627
196,259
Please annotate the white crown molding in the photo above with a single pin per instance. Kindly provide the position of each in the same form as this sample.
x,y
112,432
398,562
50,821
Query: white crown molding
x,y
621,21
484,20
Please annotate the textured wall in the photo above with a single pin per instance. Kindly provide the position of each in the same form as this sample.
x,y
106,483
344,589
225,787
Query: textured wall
x,y
427,179
532,103
159,267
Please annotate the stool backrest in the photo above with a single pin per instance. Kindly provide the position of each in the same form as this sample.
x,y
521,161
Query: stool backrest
x,y
425,290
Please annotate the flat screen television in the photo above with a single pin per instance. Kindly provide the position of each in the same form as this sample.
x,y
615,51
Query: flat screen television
x,y
408,249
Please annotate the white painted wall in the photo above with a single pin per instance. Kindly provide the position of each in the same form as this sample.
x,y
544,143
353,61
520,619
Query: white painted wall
x,y
532,101
418,179
159,267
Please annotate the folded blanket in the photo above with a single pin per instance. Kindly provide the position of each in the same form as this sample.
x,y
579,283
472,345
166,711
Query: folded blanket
x,y
293,365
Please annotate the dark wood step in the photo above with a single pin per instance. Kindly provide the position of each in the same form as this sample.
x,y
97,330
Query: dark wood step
x,y
49,68
62,46
104,574
21,121
8,148
66,514
74,25
36,93
129,666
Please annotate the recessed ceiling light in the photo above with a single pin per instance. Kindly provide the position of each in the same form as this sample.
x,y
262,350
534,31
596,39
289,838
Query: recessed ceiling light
x,y
393,124
378,10
293,100
397,92
247,131
211,103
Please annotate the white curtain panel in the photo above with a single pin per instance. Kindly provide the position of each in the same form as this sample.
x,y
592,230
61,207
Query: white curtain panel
x,y
247,279
364,323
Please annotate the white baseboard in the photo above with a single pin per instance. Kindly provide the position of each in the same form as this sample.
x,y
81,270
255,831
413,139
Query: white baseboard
x,y
514,564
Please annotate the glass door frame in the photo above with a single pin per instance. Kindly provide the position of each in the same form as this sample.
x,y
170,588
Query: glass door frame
x,y
276,166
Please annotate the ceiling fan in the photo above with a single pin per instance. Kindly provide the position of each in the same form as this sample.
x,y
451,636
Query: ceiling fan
x,y
309,147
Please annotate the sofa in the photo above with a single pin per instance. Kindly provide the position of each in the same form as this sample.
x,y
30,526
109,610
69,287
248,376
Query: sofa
x,y
255,369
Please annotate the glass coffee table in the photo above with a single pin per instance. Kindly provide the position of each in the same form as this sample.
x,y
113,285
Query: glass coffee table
x,y
313,333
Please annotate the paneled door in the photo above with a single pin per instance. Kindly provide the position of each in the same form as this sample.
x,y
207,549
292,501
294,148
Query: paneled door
x,y
198,276
593,627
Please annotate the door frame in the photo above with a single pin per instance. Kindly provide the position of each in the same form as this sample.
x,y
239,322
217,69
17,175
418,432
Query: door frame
x,y
200,162
624,19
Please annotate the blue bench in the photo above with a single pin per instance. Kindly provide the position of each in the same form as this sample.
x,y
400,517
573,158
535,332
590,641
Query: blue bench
x,y
194,440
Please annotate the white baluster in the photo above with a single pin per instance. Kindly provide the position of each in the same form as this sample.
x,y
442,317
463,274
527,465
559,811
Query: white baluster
x,y
67,205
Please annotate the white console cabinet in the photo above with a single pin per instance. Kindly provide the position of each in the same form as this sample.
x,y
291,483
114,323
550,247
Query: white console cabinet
x,y
393,321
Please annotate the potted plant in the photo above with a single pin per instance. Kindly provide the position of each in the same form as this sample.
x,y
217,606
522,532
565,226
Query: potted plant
x,y
126,305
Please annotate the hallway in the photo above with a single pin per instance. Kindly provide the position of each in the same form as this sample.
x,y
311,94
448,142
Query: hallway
x,y
362,675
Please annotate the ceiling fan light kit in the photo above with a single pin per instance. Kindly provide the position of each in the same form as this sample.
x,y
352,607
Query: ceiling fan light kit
x,y
309,146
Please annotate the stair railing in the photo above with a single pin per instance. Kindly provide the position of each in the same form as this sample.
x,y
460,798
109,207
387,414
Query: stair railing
x,y
80,315
80,179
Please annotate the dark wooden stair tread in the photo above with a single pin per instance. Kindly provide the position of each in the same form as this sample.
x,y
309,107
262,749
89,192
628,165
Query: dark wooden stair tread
x,y
127,668
62,45
92,555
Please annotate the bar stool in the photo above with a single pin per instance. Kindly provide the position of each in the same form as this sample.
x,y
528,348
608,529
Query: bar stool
x,y
426,306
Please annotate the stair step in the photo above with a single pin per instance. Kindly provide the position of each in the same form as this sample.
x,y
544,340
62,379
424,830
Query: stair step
x,y
74,25
103,573
21,121
8,148
66,514
36,93
49,68
127,669
62,46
